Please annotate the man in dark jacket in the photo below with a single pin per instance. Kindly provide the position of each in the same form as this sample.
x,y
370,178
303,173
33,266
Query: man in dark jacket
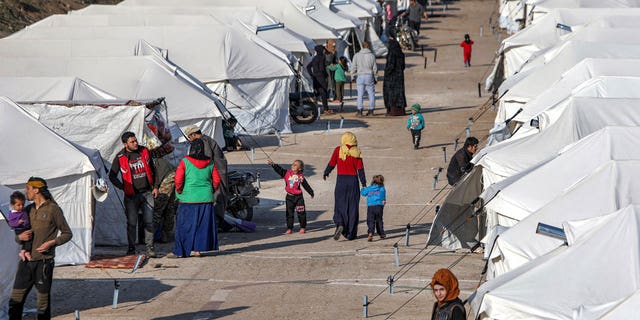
x,y
461,161
318,72
140,188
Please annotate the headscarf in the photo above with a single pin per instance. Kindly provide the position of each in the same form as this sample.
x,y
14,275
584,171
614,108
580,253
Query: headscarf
x,y
349,146
197,150
445,278
41,184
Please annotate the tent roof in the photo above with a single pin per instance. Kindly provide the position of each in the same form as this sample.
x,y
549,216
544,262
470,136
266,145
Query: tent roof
x,y
540,78
538,187
580,73
136,77
51,89
250,17
581,117
347,10
322,14
211,53
24,135
282,10
553,285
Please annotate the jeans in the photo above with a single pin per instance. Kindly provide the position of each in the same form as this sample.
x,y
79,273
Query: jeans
x,y
38,273
365,81
132,206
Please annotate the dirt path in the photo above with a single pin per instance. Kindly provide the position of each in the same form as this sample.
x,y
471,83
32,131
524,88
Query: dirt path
x,y
268,275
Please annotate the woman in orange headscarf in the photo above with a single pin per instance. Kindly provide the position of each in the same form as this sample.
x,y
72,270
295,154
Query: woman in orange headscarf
x,y
348,159
445,288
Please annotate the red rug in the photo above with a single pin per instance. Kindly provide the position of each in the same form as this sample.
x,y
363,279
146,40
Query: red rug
x,y
113,262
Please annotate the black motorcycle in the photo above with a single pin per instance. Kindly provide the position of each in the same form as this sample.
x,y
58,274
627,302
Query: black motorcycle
x,y
242,195
302,108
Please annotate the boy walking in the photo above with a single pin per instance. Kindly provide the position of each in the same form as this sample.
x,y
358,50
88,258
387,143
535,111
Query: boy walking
x,y
415,124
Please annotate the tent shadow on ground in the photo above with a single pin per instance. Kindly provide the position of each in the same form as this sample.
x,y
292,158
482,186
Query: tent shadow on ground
x,y
204,314
90,294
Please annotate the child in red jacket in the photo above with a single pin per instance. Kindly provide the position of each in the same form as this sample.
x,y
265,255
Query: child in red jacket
x,y
294,180
466,45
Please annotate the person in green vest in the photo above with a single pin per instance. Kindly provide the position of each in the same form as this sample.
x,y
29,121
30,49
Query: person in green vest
x,y
340,78
196,179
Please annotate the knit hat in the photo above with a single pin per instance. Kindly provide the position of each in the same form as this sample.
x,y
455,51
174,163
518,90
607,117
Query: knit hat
x,y
415,107
191,130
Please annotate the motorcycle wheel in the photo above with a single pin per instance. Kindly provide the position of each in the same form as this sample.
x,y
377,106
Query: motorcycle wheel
x,y
413,45
308,115
245,214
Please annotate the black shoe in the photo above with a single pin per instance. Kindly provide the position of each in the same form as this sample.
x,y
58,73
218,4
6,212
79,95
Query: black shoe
x,y
369,113
341,106
359,113
336,235
131,250
415,147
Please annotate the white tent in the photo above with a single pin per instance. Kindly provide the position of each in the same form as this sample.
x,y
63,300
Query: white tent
x,y
510,158
625,308
37,151
559,190
50,89
540,78
97,127
517,49
135,77
542,7
252,82
582,72
599,265
8,252
284,11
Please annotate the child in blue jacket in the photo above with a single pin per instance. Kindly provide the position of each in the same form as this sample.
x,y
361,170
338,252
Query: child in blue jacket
x,y
376,199
415,124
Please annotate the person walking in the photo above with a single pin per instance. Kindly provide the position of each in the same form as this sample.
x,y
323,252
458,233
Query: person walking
x,y
49,230
445,289
393,87
416,12
376,200
348,159
213,151
196,180
294,179
318,72
415,124
461,161
340,78
365,68
140,188
165,204
466,45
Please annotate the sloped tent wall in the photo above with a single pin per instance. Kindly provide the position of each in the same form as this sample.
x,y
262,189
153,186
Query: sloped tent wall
x,y
9,253
554,285
37,151
97,128
51,89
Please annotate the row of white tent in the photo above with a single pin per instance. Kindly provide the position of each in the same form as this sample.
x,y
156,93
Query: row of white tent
x,y
563,153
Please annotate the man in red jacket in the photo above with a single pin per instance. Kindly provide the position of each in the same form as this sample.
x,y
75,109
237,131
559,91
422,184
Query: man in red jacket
x,y
137,170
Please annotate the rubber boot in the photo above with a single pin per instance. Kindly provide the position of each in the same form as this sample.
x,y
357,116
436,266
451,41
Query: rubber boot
x,y
148,239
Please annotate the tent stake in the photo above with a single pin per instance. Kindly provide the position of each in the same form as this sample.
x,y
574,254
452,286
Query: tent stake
x,y
116,288
365,304
395,253
406,235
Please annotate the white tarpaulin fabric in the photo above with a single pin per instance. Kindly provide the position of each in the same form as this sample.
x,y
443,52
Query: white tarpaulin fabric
x,y
571,186
626,308
135,77
98,128
582,72
9,253
284,11
598,266
51,89
226,56
581,117
517,49
542,7
37,151
544,75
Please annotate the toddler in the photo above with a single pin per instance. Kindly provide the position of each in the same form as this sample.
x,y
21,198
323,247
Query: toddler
x,y
415,124
466,50
293,179
340,79
376,199
19,221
